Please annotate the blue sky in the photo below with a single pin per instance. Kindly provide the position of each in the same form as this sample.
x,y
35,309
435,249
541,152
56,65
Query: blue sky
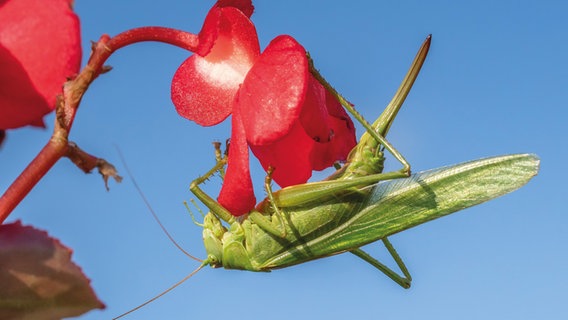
x,y
494,83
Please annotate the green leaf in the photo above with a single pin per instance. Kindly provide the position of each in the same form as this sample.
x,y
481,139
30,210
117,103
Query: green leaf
x,y
38,279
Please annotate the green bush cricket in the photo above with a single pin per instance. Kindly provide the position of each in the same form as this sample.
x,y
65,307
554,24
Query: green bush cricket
x,y
350,208
355,206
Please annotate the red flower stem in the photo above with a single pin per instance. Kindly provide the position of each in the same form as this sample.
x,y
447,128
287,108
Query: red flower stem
x,y
69,101
39,166
178,38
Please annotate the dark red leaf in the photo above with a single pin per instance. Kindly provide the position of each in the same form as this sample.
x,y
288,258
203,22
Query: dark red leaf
x,y
39,280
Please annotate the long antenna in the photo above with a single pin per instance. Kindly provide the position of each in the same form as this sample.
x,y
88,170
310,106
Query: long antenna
x,y
152,210
163,293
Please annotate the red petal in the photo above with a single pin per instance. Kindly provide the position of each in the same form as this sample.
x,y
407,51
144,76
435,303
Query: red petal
x,y
20,103
274,90
244,5
341,140
237,194
297,154
44,38
2,137
203,88
210,29
292,123
289,156
314,116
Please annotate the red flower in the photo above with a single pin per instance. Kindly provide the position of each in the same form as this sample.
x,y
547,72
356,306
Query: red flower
x,y
287,118
39,48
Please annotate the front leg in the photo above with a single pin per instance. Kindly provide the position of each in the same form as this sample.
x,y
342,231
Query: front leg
x,y
215,207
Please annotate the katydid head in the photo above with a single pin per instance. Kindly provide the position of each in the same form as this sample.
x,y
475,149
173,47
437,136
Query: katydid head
x,y
225,248
213,232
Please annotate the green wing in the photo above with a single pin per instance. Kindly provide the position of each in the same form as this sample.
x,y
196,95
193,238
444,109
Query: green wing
x,y
396,205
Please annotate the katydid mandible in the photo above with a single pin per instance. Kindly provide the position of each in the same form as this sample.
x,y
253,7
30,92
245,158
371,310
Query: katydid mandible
x,y
351,208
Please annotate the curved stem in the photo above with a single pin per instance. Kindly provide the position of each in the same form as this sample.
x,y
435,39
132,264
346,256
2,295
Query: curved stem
x,y
68,103
175,37
39,166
